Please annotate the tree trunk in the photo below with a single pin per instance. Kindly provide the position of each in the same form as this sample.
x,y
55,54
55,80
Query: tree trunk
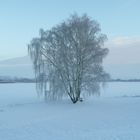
x,y
74,100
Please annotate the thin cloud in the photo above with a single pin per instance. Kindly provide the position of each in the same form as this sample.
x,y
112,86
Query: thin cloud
x,y
123,50
123,42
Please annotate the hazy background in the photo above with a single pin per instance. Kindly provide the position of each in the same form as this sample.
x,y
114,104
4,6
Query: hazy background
x,y
20,21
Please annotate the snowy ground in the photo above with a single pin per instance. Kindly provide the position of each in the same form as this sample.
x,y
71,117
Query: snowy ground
x,y
25,117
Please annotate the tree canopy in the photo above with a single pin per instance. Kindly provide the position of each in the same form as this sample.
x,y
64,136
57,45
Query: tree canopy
x,y
68,58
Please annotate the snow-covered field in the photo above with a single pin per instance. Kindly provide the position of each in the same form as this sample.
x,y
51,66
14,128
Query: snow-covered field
x,y
115,115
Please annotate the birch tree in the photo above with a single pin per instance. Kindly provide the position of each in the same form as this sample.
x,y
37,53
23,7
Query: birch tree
x,y
69,57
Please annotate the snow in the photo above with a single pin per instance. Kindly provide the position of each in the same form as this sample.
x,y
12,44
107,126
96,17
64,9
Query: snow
x,y
118,89
24,116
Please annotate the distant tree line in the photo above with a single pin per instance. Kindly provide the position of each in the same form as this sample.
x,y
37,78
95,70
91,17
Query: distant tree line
x,y
7,79
124,80
16,80
33,80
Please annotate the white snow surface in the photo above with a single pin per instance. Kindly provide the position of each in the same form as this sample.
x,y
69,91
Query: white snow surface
x,y
24,116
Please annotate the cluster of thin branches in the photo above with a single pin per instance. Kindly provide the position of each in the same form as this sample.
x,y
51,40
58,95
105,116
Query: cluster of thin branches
x,y
68,59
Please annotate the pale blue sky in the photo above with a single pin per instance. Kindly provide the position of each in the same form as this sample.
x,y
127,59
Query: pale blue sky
x,y
20,20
